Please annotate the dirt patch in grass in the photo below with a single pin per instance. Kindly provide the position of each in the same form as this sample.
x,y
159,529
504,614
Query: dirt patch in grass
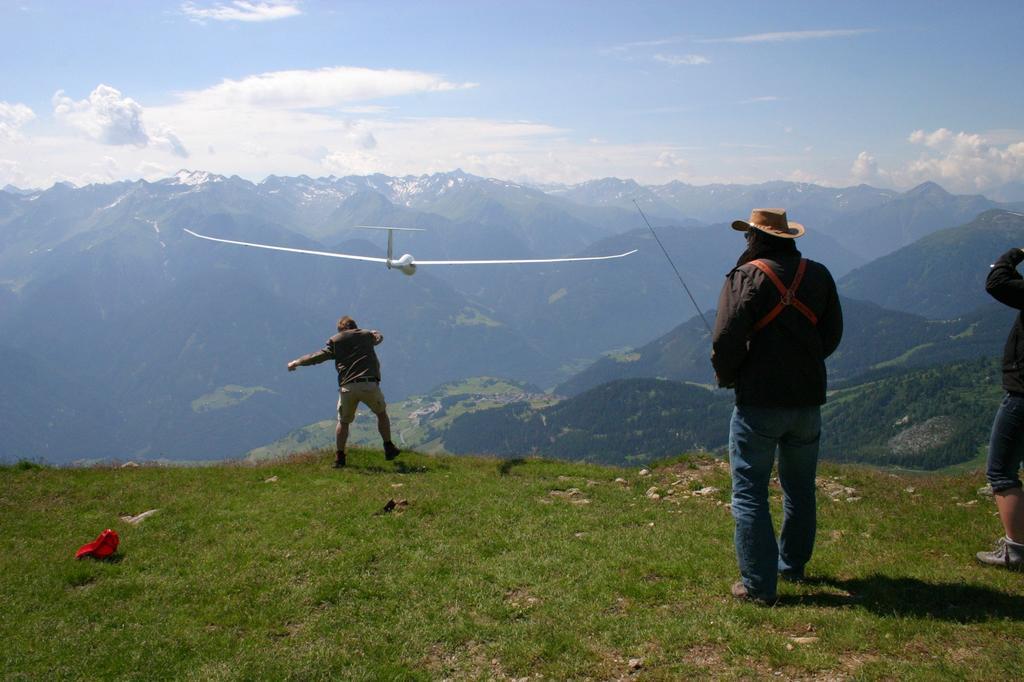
x,y
696,470
81,582
834,489
619,666
704,656
468,661
521,598
684,480
572,496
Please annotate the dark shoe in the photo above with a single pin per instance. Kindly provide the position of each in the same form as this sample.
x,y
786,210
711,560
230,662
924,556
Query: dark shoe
x,y
390,451
739,590
1006,554
339,460
793,576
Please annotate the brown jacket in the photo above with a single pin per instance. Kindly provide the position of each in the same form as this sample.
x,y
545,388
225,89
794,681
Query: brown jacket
x,y
782,364
353,355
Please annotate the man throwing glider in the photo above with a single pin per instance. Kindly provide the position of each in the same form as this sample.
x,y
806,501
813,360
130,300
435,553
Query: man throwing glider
x,y
352,350
778,319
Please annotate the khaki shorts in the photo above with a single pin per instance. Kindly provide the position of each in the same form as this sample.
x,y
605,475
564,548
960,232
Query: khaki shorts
x,y
350,395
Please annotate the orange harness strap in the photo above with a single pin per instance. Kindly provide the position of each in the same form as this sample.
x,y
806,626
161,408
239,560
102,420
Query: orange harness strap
x,y
788,295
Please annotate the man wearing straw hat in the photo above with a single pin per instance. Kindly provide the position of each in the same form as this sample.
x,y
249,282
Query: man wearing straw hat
x,y
778,319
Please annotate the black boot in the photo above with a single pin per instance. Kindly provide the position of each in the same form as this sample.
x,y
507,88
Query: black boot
x,y
339,459
390,451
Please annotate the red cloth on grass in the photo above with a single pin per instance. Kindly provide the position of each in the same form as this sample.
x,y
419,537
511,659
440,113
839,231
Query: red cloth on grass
x,y
101,547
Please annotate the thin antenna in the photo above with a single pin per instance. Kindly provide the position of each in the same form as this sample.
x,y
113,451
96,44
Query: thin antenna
x,y
673,266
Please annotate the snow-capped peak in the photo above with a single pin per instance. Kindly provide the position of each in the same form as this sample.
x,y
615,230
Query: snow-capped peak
x,y
193,178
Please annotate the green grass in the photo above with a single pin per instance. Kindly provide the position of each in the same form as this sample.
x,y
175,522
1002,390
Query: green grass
x,y
493,570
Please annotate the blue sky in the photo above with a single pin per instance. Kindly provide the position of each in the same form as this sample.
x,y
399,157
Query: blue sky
x,y
890,94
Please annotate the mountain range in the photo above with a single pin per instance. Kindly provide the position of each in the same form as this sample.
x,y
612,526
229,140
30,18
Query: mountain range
x,y
121,336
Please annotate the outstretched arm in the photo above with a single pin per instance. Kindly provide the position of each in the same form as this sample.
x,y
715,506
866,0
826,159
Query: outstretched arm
x,y
322,355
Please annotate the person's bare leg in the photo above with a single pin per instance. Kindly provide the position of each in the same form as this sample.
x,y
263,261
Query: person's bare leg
x,y
1011,512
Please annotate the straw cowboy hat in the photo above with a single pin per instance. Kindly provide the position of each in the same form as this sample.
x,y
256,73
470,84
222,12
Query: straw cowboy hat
x,y
770,221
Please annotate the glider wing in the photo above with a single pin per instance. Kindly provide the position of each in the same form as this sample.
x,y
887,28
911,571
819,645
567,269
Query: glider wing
x,y
289,250
528,260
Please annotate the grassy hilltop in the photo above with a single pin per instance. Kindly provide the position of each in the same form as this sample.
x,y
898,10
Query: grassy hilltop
x,y
488,569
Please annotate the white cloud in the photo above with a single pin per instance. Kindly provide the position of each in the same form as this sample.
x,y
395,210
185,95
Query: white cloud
x,y
351,163
865,170
798,175
682,59
241,10
153,171
961,162
11,173
106,116
319,88
110,118
361,137
165,138
760,100
965,162
790,36
934,139
641,45
12,118
671,160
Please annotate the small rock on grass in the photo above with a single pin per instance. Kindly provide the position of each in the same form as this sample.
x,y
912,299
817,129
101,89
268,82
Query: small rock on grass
x,y
636,663
707,490
138,518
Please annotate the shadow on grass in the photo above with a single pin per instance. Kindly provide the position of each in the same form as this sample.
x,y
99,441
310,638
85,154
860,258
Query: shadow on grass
x,y
115,558
507,465
398,467
885,595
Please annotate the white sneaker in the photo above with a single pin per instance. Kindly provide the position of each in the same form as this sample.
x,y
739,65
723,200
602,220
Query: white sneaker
x,y
1006,554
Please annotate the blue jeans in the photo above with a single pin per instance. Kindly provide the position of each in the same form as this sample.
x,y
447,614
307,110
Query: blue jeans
x,y
1006,447
755,433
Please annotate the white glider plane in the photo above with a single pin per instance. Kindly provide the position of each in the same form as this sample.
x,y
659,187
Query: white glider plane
x,y
406,263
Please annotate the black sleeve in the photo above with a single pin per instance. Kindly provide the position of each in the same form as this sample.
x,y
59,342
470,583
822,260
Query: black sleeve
x,y
830,322
1004,283
734,324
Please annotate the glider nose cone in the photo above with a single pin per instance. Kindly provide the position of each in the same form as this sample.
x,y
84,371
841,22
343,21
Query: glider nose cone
x,y
406,264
